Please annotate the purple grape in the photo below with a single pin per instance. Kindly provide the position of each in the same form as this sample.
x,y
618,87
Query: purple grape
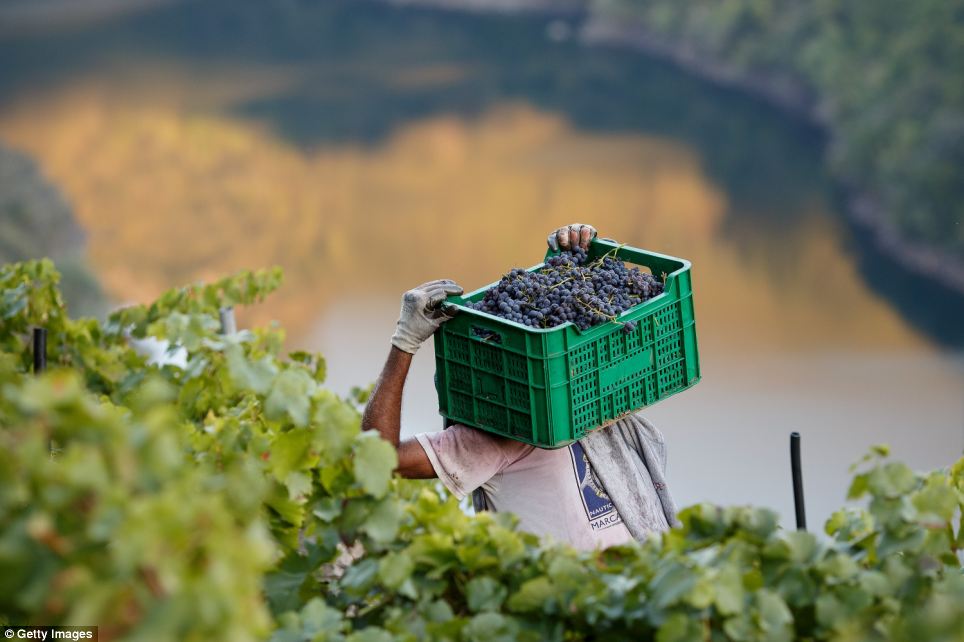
x,y
570,289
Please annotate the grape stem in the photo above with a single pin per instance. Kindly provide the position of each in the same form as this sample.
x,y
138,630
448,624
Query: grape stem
x,y
553,287
599,312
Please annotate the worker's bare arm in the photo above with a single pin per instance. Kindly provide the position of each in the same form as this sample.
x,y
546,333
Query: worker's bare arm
x,y
412,461
384,411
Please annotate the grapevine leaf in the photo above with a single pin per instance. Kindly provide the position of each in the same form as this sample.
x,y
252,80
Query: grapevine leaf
x,y
937,499
680,627
775,617
337,425
383,521
187,330
566,572
534,595
892,480
290,395
673,582
327,508
290,511
394,569
485,594
729,595
289,633
291,451
360,576
298,484
282,586
375,459
314,361
702,593
490,627
802,546
439,611
739,628
797,587
256,376
370,634
858,487
317,617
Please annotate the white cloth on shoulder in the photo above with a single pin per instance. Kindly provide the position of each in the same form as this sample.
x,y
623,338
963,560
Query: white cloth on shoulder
x,y
629,458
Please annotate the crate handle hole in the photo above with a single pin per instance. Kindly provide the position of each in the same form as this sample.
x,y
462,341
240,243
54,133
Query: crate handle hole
x,y
486,335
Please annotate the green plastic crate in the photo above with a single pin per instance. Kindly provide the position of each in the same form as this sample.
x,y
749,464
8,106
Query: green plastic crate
x,y
549,387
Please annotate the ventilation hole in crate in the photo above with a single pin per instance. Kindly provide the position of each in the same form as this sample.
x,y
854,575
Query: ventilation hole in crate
x,y
584,388
648,329
520,425
621,402
666,320
633,338
651,388
518,396
515,366
488,358
671,378
460,377
637,393
461,406
617,345
585,417
489,387
491,415
581,360
458,348
668,350
603,345
607,406
579,417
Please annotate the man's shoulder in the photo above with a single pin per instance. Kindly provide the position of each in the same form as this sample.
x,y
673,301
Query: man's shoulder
x,y
480,436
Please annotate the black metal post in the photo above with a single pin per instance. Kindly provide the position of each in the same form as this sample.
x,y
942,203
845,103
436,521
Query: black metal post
x,y
39,350
797,473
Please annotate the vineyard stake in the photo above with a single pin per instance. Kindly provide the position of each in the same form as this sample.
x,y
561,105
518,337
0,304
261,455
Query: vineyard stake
x,y
228,324
39,350
797,473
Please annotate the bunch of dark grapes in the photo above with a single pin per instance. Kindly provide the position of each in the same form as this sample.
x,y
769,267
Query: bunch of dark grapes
x,y
570,289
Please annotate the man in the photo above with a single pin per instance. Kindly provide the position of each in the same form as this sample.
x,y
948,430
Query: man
x,y
605,489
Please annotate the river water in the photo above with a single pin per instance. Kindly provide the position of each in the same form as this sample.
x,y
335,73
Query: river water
x,y
368,149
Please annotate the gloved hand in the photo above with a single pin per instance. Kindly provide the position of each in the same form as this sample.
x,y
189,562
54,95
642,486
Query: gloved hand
x,y
422,313
572,235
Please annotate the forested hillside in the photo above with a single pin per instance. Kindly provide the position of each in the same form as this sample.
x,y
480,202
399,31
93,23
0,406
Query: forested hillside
x,y
36,221
885,77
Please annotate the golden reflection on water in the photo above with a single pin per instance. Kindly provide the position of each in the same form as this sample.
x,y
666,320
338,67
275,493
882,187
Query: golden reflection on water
x,y
172,190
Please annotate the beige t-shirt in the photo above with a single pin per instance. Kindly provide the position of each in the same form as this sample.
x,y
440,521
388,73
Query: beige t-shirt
x,y
554,493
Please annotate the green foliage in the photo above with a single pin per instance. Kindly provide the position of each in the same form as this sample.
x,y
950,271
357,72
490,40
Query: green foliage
x,y
237,499
887,80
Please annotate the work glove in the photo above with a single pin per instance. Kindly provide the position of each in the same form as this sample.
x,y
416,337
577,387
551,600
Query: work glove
x,y
571,235
422,313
